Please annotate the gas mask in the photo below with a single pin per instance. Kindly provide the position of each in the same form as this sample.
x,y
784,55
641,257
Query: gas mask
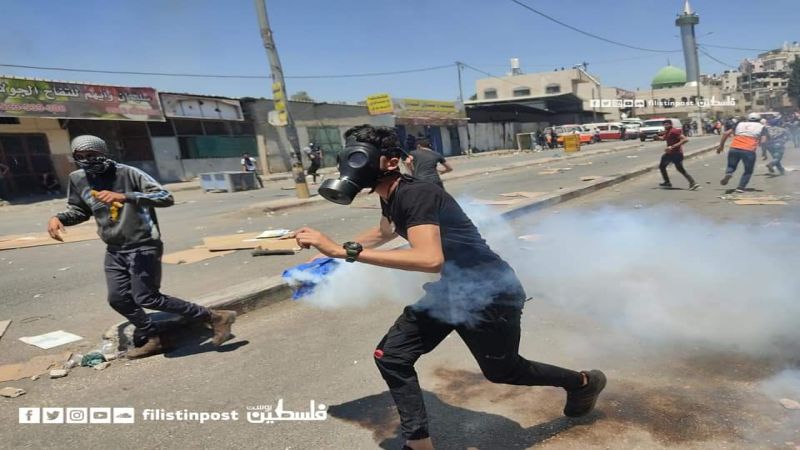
x,y
359,168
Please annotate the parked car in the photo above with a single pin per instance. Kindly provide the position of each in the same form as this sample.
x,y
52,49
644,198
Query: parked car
x,y
585,135
632,130
655,127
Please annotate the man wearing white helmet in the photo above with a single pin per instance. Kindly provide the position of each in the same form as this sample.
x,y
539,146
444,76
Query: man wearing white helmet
x,y
747,137
122,200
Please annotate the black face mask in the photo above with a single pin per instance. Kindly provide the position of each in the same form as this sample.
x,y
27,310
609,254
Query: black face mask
x,y
94,165
359,168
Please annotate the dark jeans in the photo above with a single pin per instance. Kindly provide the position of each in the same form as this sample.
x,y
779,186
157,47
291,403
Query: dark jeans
x,y
677,159
134,279
312,169
777,157
493,342
747,158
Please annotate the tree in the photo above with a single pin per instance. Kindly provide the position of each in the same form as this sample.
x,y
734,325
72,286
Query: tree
x,y
794,82
301,96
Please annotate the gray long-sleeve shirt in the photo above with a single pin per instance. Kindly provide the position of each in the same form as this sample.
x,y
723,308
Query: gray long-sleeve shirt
x,y
137,224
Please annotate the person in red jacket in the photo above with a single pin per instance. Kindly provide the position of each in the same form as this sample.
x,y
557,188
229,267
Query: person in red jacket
x,y
673,154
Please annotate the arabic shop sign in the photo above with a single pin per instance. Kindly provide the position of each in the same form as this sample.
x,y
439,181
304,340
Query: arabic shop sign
x,y
20,97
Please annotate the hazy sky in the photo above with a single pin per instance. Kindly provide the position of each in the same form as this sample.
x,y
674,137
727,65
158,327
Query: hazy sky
x,y
327,37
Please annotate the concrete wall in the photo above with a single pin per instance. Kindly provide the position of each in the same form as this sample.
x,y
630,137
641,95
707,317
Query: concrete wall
x,y
536,82
494,135
274,147
194,167
57,139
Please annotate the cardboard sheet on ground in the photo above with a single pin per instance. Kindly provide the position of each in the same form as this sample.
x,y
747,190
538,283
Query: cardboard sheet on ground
x,y
51,339
523,194
750,202
73,234
193,255
243,241
277,245
35,366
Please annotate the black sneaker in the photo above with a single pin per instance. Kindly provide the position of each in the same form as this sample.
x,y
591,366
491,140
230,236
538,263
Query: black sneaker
x,y
694,187
739,191
725,179
666,184
581,401
771,170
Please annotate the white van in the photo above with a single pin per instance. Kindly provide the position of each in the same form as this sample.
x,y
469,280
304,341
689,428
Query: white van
x,y
655,127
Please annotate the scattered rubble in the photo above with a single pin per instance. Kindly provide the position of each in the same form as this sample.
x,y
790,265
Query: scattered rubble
x,y
59,373
789,403
11,392
102,366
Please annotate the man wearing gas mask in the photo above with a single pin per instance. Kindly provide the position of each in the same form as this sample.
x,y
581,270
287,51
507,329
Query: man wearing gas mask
x,y
122,200
478,294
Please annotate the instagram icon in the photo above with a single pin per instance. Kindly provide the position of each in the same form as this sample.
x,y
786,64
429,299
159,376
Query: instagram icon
x,y
77,415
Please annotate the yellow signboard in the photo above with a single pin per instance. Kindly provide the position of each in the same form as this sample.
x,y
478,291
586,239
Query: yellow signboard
x,y
380,104
413,104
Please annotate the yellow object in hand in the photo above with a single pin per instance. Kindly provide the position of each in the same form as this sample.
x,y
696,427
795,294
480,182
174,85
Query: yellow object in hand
x,y
113,209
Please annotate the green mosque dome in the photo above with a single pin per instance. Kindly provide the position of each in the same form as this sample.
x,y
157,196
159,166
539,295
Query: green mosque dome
x,y
669,76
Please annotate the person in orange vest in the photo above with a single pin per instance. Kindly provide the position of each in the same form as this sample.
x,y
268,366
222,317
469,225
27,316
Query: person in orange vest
x,y
747,137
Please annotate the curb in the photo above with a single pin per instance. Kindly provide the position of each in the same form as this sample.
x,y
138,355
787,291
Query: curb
x,y
281,205
261,293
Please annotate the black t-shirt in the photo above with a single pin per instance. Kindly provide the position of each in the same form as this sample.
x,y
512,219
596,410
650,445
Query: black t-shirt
x,y
425,162
471,268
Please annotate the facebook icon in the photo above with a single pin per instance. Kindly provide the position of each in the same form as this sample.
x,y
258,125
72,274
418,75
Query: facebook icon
x,y
30,415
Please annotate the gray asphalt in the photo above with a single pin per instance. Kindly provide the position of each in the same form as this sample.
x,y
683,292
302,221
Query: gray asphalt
x,y
63,287
679,398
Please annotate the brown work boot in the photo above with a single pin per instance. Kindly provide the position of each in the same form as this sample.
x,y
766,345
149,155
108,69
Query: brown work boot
x,y
221,321
153,346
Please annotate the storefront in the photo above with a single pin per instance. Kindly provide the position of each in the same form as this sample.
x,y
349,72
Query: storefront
x,y
439,121
38,118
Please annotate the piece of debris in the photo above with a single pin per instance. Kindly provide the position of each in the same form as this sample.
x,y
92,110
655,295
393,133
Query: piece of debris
x,y
64,269
35,377
50,340
632,156
789,403
37,365
591,178
58,373
110,356
11,392
272,234
530,237
523,194
37,296
750,202
102,366
3,326
92,359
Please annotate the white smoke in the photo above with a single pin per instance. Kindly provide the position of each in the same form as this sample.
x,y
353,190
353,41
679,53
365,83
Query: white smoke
x,y
661,275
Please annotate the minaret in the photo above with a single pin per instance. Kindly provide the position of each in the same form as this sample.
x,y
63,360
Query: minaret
x,y
686,21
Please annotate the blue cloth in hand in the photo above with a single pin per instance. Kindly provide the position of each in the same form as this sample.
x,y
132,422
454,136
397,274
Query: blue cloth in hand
x,y
304,277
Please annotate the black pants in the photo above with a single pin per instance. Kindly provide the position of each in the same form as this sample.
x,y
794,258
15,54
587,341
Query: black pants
x,y
677,159
134,279
312,169
493,342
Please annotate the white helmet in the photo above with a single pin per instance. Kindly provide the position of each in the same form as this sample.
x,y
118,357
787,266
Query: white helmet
x,y
754,117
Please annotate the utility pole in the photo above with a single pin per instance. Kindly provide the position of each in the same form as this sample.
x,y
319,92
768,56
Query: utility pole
x,y
460,68
281,100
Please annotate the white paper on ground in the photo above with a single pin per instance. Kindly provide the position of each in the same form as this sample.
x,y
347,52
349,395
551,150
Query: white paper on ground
x,y
273,234
52,339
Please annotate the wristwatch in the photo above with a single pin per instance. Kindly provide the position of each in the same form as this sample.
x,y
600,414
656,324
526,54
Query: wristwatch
x,y
353,249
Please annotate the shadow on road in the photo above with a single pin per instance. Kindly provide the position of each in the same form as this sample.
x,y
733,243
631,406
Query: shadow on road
x,y
452,427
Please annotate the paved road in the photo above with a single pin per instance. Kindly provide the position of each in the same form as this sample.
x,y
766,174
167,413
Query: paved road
x,y
664,391
63,287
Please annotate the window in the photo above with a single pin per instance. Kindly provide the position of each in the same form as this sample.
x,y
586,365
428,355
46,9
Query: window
x,y
522,92
9,121
188,127
161,129
215,128
489,93
552,89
